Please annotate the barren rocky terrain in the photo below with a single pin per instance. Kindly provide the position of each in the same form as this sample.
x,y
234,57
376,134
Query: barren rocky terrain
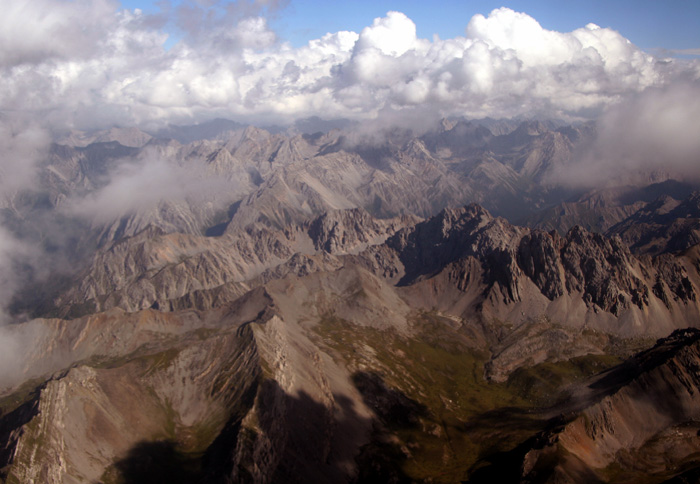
x,y
321,307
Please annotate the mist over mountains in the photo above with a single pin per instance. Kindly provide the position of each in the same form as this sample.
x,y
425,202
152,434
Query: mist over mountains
x,y
93,189
238,279
372,258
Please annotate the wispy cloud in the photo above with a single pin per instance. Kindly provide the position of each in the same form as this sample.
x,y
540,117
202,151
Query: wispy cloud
x,y
137,186
22,144
654,131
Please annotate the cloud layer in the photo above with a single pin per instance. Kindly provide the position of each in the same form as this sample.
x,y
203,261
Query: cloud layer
x,y
22,145
655,131
140,185
88,64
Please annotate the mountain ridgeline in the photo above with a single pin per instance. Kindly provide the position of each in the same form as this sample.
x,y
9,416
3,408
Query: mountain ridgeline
x,y
230,304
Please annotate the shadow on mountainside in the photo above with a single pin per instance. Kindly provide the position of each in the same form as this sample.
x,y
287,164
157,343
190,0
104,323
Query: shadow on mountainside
x,y
294,439
393,407
156,463
382,459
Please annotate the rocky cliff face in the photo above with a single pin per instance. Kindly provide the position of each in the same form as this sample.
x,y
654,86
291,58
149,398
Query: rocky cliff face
x,y
237,394
155,268
350,231
504,271
540,273
108,411
235,177
330,375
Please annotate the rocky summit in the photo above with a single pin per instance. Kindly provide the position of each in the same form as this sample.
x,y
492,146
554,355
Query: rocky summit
x,y
272,307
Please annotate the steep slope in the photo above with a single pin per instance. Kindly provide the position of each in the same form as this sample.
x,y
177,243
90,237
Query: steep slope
x,y
664,225
634,423
600,209
241,393
467,262
330,376
463,261
131,396
235,175
154,268
532,149
228,177
272,324
115,418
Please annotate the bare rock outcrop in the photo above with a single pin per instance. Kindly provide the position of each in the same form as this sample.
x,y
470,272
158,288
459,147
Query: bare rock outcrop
x,y
350,231
155,268
538,273
662,226
105,415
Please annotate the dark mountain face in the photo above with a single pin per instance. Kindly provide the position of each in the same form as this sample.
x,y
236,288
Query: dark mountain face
x,y
243,305
664,225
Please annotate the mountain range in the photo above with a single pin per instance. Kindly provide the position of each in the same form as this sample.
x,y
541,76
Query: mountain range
x,y
320,303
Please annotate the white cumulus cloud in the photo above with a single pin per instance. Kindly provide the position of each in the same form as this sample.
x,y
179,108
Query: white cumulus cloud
x,y
89,64
392,35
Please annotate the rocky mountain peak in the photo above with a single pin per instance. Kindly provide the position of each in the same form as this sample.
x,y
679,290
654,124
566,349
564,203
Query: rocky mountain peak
x,y
350,231
600,270
531,128
454,234
525,133
603,270
445,124
682,336
690,207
